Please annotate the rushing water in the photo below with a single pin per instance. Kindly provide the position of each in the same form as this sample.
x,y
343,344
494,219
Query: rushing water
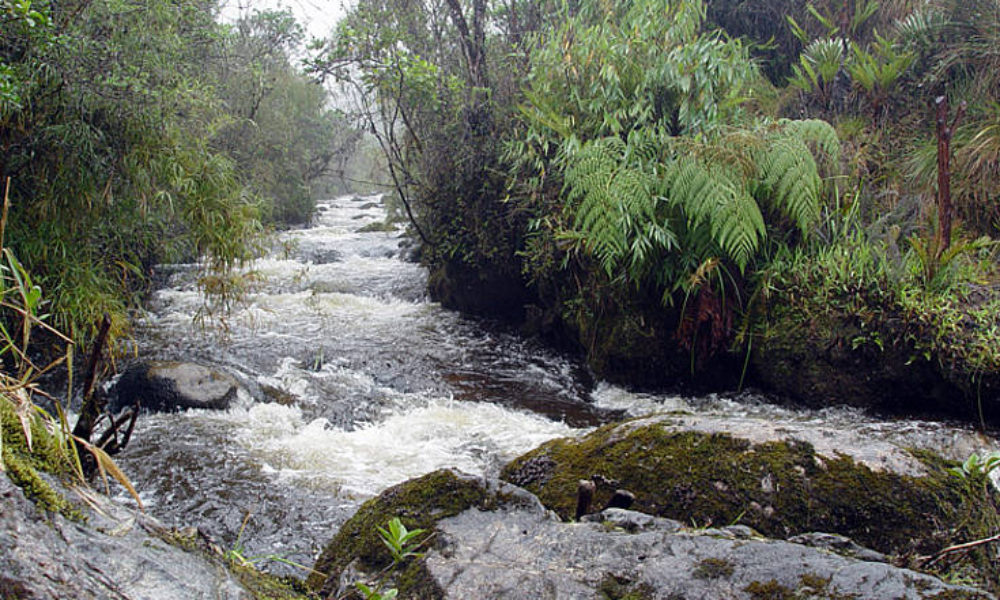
x,y
355,381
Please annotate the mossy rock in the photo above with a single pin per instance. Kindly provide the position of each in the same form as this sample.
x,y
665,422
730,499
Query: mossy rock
x,y
780,487
419,504
25,466
632,339
832,359
881,357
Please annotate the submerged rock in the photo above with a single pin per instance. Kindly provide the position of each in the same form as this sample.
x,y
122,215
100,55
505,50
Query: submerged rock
x,y
111,553
173,386
781,481
493,540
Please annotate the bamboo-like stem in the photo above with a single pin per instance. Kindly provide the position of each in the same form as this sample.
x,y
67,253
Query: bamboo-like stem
x,y
961,548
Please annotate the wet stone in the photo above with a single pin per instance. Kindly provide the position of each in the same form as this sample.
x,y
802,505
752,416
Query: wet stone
x,y
524,553
117,554
173,386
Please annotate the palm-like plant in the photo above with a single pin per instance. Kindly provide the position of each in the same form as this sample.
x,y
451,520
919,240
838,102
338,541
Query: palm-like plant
x,y
876,71
818,66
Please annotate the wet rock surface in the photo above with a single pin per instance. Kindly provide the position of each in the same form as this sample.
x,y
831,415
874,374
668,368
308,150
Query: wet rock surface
x,y
492,540
780,480
115,553
164,386
525,553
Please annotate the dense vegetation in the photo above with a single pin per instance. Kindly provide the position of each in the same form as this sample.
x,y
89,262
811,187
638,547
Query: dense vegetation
x,y
670,186
653,179
134,132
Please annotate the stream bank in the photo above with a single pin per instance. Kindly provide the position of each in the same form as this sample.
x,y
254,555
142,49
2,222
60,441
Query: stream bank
x,y
350,381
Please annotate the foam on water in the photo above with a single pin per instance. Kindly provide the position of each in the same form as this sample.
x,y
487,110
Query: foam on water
x,y
955,441
473,437
357,382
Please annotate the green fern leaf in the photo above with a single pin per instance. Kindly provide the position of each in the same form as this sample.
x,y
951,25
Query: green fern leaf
x,y
718,203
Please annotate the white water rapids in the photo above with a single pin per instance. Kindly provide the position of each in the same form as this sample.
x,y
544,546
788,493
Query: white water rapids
x,y
356,381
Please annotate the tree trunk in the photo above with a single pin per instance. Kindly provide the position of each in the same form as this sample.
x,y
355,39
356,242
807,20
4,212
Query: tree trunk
x,y
944,205
473,39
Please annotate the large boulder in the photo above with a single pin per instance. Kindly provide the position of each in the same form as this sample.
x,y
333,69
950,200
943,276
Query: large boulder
x,y
173,386
834,360
780,480
524,553
419,503
493,540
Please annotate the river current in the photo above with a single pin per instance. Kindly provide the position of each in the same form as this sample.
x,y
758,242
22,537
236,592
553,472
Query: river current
x,y
354,381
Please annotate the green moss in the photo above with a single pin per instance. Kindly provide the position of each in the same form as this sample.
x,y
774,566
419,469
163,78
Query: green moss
x,y
378,227
713,568
814,586
262,585
614,587
419,503
265,586
849,325
768,590
778,488
24,466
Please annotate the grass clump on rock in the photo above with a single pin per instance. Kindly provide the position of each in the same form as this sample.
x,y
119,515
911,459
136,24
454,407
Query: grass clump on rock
x,y
24,465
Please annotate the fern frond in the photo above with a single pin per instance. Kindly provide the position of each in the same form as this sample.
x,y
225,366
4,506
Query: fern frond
x,y
814,131
616,215
716,201
791,181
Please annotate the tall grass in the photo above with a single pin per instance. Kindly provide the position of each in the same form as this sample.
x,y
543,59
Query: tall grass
x,y
31,438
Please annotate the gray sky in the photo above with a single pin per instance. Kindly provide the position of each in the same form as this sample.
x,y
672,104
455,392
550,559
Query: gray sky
x,y
318,16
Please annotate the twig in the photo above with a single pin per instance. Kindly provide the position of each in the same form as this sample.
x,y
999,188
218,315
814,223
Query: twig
x,y
6,203
95,356
109,440
90,409
960,548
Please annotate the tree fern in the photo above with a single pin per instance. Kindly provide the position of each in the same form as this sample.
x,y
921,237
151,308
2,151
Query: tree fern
x,y
614,205
790,176
791,181
716,202
814,131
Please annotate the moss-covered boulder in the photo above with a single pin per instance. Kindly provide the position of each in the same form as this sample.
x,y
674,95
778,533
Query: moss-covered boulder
x,y
632,339
835,358
505,544
60,539
849,325
419,504
781,481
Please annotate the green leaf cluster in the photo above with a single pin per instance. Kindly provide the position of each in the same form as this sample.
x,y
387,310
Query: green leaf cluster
x,y
138,132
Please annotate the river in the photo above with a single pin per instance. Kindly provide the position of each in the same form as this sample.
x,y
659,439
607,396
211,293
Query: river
x,y
354,381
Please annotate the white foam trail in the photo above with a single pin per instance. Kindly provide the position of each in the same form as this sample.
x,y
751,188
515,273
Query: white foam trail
x,y
612,397
472,437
